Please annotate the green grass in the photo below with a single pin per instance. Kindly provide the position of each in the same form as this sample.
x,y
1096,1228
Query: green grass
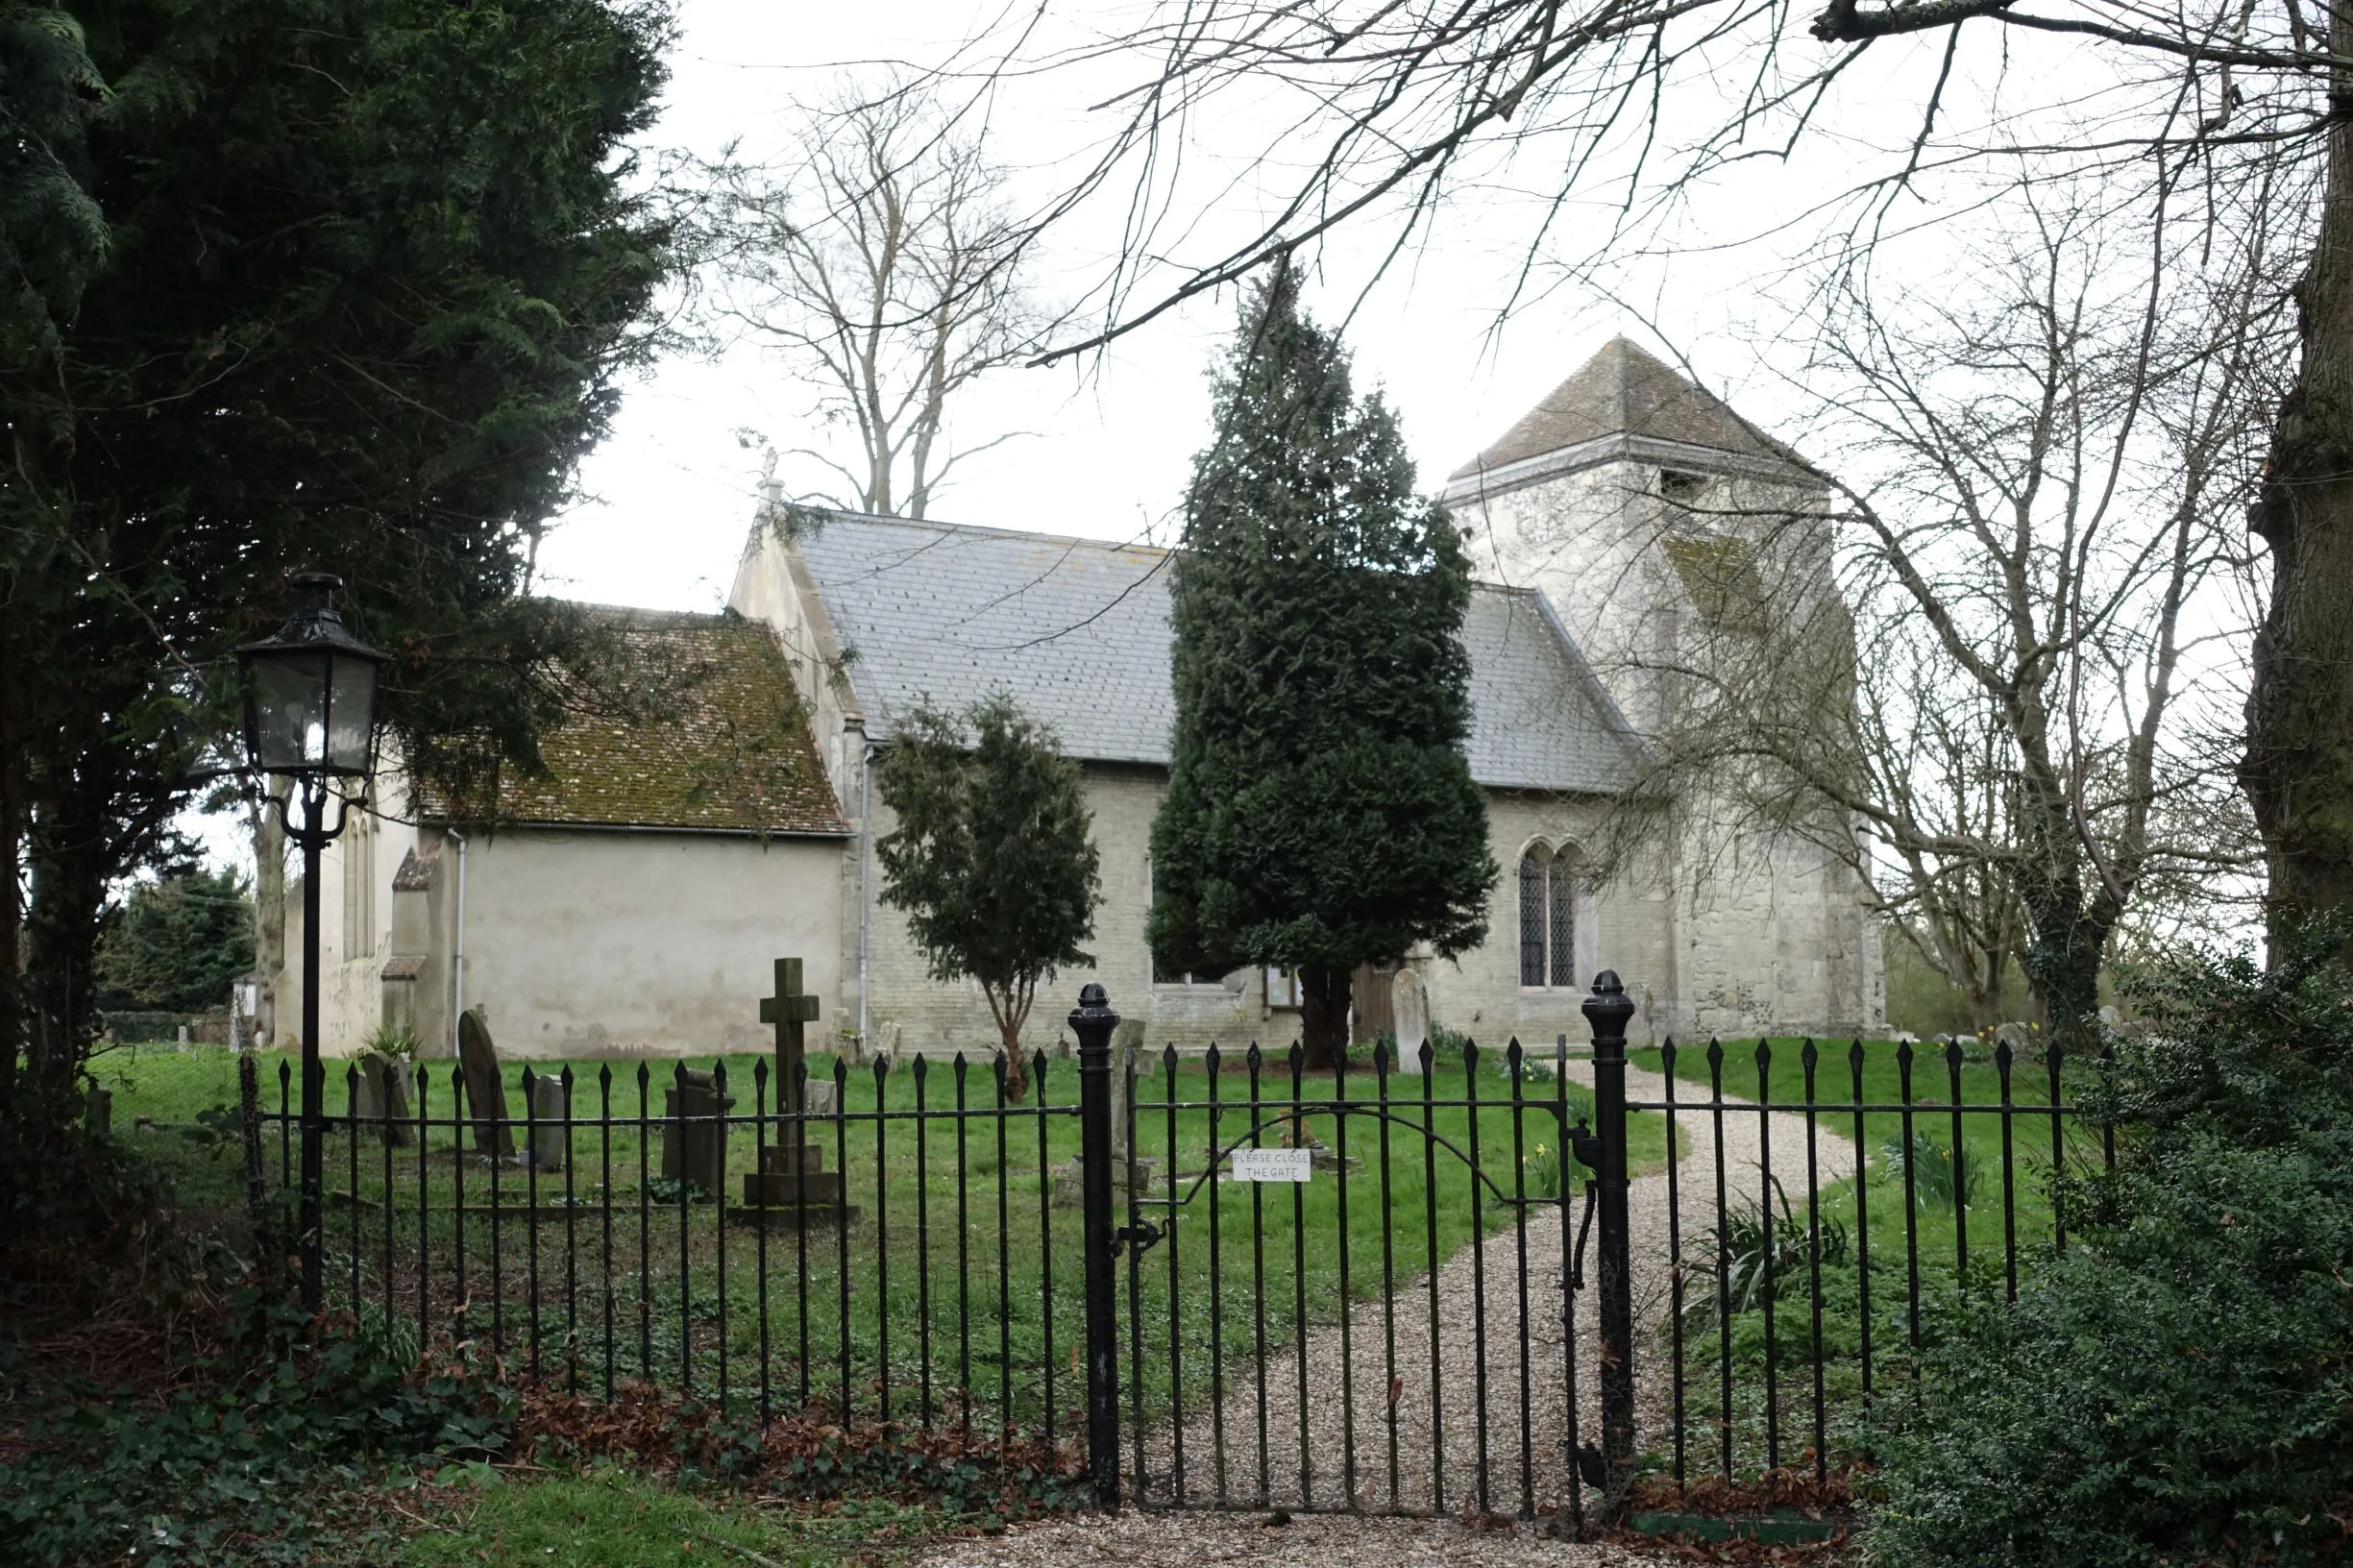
x,y
613,1518
985,1294
1916,1253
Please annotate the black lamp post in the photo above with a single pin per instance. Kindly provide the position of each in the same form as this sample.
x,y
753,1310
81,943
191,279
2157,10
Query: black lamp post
x,y
310,716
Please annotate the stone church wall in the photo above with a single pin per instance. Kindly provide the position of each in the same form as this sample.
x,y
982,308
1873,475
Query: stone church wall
x,y
1623,925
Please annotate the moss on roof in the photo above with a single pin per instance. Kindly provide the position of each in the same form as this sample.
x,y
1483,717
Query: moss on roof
x,y
712,737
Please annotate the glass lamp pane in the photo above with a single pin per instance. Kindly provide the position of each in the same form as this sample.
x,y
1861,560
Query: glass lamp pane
x,y
352,715
289,711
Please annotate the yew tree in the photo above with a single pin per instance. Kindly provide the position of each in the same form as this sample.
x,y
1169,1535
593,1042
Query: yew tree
x,y
1320,813
341,285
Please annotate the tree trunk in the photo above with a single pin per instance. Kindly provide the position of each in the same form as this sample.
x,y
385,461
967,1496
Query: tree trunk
x,y
1009,1041
2298,767
1323,1018
69,885
11,888
2065,950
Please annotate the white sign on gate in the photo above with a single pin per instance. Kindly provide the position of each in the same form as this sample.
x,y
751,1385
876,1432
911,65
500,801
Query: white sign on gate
x,y
1272,1165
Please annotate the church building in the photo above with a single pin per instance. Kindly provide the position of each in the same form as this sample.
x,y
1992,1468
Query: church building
x,y
631,903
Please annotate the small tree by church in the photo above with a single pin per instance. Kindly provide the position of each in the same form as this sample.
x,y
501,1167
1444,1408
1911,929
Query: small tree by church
x,y
991,858
1320,813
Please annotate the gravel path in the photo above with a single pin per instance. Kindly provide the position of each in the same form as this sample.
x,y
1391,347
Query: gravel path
x,y
1196,1540
1473,1428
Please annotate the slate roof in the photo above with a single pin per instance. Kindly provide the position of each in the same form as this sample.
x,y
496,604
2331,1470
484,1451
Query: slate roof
x,y
1077,630
720,744
1623,390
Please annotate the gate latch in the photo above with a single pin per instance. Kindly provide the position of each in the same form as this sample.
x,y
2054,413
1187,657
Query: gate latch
x,y
1143,1235
1586,1147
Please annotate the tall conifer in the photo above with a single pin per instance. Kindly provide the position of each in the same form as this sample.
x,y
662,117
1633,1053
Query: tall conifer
x,y
1321,814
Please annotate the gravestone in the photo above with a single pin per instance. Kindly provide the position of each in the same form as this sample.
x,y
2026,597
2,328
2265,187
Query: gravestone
x,y
694,1137
98,1111
549,1105
1410,1013
383,1099
793,1184
886,1041
1068,1187
485,1088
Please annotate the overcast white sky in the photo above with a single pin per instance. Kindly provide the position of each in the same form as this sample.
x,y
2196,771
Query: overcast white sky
x,y
669,496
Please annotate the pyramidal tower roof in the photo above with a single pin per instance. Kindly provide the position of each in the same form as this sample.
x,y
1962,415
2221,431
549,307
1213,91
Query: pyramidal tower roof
x,y
1626,391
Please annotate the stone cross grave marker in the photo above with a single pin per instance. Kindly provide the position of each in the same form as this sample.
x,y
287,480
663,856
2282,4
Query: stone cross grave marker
x,y
791,1011
485,1088
793,1183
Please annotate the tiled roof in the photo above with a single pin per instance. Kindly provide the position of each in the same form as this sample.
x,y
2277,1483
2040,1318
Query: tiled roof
x,y
1625,391
1077,631
723,746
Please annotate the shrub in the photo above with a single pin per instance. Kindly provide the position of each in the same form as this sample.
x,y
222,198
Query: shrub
x,y
1938,1180
2178,1386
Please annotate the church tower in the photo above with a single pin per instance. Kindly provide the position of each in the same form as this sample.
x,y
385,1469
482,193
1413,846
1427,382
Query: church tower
x,y
1688,554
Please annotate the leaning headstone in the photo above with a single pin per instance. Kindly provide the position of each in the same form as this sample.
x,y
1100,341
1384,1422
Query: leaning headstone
x,y
548,1104
2019,1038
694,1134
1409,1012
485,1088
382,1100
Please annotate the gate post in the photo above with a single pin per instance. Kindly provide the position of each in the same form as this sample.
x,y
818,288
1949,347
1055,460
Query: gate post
x,y
1608,1011
1092,1022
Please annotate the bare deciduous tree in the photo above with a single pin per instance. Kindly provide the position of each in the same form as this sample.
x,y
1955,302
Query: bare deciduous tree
x,y
885,266
1379,107
2039,484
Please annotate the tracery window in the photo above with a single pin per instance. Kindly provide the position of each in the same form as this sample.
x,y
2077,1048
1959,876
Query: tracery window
x,y
1548,918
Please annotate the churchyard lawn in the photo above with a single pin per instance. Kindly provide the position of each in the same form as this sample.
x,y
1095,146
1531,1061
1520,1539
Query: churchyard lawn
x,y
948,1278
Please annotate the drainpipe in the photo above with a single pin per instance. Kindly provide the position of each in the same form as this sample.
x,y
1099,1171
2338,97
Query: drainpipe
x,y
866,901
457,960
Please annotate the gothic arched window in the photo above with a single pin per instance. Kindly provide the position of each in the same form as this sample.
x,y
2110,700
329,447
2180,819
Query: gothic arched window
x,y
1531,916
1548,918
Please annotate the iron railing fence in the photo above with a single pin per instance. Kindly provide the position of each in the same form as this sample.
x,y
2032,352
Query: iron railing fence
x,y
1779,1314
576,1256
1480,1282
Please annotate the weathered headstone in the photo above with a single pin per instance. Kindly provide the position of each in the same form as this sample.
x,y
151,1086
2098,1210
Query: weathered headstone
x,y
793,1183
887,1039
382,1100
1126,1045
694,1134
485,1088
549,1105
1127,1052
1410,1013
98,1111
